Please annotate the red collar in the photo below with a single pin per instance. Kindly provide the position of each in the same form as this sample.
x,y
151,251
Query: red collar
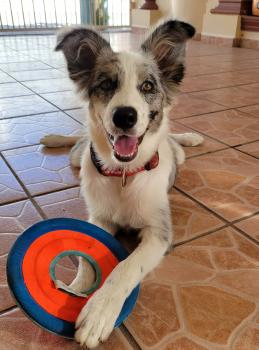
x,y
152,164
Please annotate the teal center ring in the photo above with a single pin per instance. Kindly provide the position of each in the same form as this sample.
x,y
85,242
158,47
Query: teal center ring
x,y
92,262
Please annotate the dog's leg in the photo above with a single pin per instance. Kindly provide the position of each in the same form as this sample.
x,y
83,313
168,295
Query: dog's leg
x,y
59,140
77,152
85,275
78,142
178,153
188,139
96,320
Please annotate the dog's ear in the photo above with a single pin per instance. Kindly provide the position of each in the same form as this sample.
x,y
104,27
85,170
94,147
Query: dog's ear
x,y
81,47
167,45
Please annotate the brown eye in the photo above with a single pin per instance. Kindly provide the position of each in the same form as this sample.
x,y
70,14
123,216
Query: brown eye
x,y
147,86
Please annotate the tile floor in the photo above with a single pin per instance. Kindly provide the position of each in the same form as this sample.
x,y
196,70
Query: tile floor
x,y
205,294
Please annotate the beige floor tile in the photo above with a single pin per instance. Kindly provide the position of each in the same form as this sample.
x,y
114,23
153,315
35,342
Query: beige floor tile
x,y
253,110
251,148
10,189
67,203
208,145
42,169
231,97
231,127
19,333
14,219
225,181
197,300
250,226
186,106
190,219
25,131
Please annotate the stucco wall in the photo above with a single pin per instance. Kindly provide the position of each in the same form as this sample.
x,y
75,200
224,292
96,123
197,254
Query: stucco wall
x,y
197,12
190,11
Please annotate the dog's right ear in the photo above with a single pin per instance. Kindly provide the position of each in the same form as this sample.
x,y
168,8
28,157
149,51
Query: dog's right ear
x,y
81,47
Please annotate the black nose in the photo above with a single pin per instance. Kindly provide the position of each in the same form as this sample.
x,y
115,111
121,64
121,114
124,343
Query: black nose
x,y
125,117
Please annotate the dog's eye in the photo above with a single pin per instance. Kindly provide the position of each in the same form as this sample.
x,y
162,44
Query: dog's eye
x,y
107,84
147,86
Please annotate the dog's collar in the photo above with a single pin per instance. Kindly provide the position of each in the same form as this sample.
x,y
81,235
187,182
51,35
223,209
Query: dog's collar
x,y
119,172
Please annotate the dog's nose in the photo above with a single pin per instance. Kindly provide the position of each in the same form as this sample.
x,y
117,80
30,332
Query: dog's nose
x,y
125,117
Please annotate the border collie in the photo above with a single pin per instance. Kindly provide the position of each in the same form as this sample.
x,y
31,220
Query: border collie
x,y
128,159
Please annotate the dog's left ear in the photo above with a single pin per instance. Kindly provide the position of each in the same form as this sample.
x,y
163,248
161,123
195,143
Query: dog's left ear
x,y
167,45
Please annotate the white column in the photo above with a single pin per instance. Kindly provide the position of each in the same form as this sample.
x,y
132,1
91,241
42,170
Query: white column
x,y
191,11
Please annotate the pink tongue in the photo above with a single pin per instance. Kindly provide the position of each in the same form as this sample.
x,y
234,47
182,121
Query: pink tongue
x,y
126,145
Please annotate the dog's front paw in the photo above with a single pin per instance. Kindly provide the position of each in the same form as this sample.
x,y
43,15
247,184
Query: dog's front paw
x,y
97,319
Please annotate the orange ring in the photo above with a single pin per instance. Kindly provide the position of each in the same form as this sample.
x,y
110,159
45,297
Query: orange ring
x,y
36,264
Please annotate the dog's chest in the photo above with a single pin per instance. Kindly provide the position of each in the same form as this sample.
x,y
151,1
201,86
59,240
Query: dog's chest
x,y
132,205
125,205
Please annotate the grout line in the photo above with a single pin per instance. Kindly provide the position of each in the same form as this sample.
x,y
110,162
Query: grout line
x,y
200,236
130,337
227,223
224,108
49,67
36,93
219,150
246,217
15,96
218,88
26,191
28,115
247,154
189,75
245,234
54,191
202,133
13,201
234,147
209,152
38,208
40,95
42,113
19,147
3,312
202,205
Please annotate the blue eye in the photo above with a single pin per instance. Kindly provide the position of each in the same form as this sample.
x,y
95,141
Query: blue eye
x,y
107,84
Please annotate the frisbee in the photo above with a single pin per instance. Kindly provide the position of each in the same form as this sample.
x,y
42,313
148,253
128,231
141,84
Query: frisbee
x,y
31,271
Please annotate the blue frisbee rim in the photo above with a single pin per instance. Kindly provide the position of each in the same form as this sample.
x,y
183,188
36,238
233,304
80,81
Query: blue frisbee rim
x,y
19,290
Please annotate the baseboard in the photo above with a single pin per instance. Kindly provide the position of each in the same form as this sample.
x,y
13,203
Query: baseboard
x,y
250,44
220,41
139,30
197,37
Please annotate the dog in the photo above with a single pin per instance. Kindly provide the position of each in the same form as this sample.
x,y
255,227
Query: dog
x,y
128,159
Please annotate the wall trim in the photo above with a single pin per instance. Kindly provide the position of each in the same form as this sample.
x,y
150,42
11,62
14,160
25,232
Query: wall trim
x,y
250,44
233,7
250,23
220,41
139,30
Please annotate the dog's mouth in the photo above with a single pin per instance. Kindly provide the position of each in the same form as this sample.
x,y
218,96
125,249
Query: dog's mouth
x,y
125,147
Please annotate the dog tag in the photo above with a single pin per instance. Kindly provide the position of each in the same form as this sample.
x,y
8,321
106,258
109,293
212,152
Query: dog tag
x,y
124,178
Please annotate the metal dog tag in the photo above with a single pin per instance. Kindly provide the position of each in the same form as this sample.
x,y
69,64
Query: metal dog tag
x,y
124,178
